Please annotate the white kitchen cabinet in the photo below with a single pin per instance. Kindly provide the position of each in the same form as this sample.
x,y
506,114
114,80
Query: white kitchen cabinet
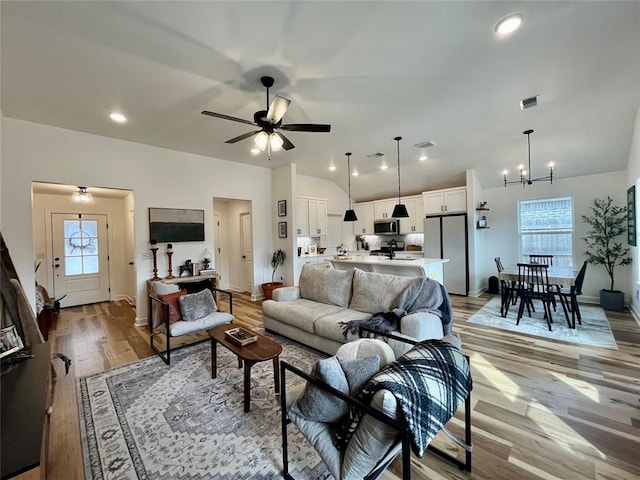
x,y
450,200
311,217
318,261
415,208
383,209
365,213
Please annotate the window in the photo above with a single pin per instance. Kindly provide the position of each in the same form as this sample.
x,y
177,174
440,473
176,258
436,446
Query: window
x,y
81,247
546,227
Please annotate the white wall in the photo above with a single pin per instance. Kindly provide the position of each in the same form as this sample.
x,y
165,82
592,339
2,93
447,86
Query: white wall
x,y
501,240
337,199
633,178
158,177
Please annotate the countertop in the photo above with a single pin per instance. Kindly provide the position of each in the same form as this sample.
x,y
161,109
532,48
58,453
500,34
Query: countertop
x,y
399,260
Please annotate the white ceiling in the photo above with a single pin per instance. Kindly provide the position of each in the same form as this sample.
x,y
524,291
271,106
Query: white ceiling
x,y
373,70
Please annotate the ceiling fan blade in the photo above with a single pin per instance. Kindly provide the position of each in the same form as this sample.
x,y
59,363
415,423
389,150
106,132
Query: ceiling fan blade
x,y
306,127
242,137
227,117
286,143
277,109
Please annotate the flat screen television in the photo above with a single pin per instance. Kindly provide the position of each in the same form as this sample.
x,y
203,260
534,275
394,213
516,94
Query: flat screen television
x,y
176,225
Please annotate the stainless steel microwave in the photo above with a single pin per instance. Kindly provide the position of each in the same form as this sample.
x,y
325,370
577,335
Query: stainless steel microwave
x,y
386,227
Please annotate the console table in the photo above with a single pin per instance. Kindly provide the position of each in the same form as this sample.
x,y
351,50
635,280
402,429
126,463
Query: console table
x,y
23,416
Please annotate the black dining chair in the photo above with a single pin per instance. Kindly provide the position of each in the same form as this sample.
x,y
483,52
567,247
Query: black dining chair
x,y
569,297
544,259
507,291
533,284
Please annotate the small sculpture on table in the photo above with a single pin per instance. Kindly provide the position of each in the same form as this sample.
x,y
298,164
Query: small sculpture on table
x,y
187,267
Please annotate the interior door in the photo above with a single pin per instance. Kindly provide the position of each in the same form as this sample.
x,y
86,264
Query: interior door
x,y
80,258
247,252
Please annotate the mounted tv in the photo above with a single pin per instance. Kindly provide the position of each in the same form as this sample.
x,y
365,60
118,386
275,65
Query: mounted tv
x,y
176,225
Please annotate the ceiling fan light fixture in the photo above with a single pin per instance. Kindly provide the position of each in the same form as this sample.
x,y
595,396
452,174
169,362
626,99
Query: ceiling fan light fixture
x,y
276,142
261,141
82,196
349,214
400,210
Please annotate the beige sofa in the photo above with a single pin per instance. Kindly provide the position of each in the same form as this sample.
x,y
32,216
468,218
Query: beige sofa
x,y
312,312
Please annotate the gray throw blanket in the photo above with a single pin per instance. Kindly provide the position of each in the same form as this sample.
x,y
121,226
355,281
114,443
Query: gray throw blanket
x,y
429,382
423,294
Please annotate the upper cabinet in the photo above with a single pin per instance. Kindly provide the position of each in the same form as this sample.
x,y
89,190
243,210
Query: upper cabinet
x,y
311,218
415,208
366,214
450,200
383,208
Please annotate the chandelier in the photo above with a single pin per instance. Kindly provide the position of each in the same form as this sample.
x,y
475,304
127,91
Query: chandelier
x,y
400,210
82,196
525,176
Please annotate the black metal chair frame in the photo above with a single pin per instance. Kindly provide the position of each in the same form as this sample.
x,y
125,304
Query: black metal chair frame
x,y
165,354
543,259
402,429
508,292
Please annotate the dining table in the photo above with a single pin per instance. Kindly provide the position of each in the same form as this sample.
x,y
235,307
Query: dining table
x,y
558,275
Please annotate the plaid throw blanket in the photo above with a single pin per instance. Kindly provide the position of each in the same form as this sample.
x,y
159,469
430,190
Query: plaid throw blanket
x,y
429,382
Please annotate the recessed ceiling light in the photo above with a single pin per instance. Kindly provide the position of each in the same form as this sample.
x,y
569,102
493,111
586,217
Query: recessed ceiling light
x,y
423,157
117,117
509,24
355,173
383,166
332,168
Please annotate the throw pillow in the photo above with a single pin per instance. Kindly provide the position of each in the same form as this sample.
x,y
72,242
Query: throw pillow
x,y
161,288
346,376
197,305
326,285
315,403
172,300
358,371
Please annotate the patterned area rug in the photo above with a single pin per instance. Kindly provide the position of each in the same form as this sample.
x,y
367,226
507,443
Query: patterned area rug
x,y
594,331
148,420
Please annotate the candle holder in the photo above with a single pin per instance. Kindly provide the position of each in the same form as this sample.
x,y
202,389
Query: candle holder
x,y
169,254
154,252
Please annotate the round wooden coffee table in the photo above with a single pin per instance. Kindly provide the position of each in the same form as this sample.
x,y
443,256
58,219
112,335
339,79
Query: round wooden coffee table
x,y
259,351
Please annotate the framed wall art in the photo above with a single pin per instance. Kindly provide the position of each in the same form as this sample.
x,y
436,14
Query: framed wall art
x,y
631,216
282,229
176,225
282,208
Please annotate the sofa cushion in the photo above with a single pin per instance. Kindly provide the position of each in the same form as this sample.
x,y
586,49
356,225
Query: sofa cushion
x,y
197,305
301,313
204,323
329,325
161,288
326,285
172,299
376,292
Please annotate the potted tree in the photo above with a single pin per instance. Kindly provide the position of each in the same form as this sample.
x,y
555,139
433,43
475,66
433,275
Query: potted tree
x,y
607,222
277,259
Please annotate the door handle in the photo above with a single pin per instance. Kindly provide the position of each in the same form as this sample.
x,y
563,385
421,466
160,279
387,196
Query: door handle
x,y
244,256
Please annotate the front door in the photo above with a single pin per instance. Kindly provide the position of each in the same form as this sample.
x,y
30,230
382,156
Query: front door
x,y
80,258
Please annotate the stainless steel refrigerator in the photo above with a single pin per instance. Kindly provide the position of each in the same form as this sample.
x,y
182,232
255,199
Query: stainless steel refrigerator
x,y
446,236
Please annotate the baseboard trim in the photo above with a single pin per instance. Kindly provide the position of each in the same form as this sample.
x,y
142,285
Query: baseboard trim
x,y
141,321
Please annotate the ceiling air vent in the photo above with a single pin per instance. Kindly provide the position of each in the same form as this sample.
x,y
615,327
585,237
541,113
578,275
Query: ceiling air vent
x,y
427,144
373,156
529,102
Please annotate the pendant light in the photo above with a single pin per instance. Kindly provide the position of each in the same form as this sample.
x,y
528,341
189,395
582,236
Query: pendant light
x,y
350,214
400,210
525,176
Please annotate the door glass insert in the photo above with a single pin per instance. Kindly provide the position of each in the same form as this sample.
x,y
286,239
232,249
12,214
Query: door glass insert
x,y
81,247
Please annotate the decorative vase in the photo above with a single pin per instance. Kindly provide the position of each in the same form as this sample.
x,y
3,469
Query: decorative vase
x,y
268,288
612,299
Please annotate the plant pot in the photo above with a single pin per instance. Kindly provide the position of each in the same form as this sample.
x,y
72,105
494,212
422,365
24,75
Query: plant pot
x,y
268,288
612,299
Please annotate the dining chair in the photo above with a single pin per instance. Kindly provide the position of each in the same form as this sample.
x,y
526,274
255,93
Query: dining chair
x,y
569,297
544,259
507,291
533,284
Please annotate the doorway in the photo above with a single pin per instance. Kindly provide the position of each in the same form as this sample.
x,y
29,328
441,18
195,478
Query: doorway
x,y
247,251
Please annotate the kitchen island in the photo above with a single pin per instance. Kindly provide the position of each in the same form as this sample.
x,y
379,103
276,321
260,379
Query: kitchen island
x,y
400,265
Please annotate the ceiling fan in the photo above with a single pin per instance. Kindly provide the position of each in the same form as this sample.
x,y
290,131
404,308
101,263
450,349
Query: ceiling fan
x,y
269,121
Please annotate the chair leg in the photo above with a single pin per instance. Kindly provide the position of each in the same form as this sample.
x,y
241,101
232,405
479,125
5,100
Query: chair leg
x,y
566,312
576,308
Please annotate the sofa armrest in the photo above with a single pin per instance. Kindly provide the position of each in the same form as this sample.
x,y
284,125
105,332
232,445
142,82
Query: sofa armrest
x,y
422,326
285,294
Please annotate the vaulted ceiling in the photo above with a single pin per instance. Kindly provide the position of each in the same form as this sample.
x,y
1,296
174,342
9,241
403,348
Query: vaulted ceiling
x,y
373,70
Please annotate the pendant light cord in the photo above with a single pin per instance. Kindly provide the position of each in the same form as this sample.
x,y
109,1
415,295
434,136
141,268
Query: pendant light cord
x,y
397,139
349,177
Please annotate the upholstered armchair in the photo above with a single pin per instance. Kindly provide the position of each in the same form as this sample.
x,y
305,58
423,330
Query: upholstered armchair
x,y
375,429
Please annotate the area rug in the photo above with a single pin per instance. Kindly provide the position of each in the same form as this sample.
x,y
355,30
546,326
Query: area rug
x,y
148,420
594,331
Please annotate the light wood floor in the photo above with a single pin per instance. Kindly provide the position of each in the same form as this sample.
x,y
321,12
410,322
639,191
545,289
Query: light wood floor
x,y
541,409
